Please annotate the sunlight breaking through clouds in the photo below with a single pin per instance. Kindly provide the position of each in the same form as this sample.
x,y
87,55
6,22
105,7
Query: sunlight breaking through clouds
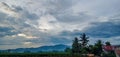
x,y
26,36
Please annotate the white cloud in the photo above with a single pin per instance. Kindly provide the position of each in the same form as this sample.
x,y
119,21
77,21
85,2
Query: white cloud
x,y
26,36
27,43
49,23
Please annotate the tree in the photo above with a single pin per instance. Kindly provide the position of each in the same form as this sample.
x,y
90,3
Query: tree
x,y
107,43
80,46
68,50
90,49
84,40
98,47
75,46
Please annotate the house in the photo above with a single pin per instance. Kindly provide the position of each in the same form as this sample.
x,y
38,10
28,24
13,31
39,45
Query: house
x,y
108,49
117,51
114,48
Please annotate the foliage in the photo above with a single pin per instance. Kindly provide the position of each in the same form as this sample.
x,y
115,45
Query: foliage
x,y
68,50
98,48
75,46
110,54
46,54
80,46
108,43
84,39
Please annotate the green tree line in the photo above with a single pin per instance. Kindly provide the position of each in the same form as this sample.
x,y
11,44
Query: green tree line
x,y
80,46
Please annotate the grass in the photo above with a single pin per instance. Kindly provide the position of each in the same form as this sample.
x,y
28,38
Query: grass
x,y
43,54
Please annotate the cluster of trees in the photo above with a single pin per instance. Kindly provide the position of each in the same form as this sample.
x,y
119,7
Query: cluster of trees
x,y
80,46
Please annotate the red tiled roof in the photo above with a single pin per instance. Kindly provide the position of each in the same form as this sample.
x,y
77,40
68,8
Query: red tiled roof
x,y
108,48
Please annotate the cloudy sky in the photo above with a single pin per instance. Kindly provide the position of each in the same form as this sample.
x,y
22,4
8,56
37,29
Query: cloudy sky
x,y
34,23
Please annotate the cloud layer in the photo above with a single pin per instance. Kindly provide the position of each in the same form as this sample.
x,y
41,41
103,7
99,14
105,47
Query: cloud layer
x,y
48,22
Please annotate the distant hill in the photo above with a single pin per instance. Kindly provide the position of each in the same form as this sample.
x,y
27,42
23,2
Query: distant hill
x,y
59,47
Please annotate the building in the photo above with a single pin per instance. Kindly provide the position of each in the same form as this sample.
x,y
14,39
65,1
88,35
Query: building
x,y
115,48
117,51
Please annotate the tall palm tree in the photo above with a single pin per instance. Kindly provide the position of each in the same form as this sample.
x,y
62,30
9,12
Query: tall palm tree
x,y
84,40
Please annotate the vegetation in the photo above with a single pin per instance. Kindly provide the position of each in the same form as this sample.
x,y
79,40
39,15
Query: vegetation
x,y
81,46
68,50
108,43
97,49
45,54
84,40
76,46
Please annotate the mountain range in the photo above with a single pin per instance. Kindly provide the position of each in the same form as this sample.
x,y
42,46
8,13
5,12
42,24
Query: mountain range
x,y
59,47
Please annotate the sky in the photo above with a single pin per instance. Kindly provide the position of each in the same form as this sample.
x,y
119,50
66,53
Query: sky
x,y
35,23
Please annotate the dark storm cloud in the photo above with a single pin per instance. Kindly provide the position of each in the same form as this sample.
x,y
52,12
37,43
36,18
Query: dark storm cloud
x,y
6,31
104,29
78,17
17,8
29,15
2,16
25,13
10,43
60,40
70,33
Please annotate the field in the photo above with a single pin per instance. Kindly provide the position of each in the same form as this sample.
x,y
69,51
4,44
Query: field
x,y
39,55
